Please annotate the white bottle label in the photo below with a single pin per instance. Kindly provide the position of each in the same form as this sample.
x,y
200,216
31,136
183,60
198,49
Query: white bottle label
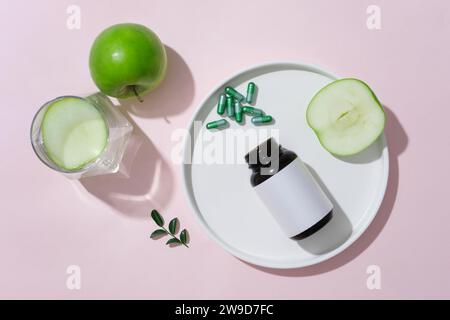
x,y
294,198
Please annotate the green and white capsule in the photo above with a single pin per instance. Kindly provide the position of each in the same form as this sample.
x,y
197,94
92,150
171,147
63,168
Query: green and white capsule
x,y
251,87
262,119
238,111
217,124
221,104
232,92
251,111
230,107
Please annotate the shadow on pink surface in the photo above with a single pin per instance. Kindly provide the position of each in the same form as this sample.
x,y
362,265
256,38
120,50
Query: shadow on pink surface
x,y
143,182
397,141
145,179
173,95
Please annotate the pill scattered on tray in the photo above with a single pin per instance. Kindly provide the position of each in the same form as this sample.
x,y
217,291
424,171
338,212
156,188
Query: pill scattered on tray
x,y
230,104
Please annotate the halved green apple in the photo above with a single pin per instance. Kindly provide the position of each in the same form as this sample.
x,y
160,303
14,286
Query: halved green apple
x,y
74,132
346,116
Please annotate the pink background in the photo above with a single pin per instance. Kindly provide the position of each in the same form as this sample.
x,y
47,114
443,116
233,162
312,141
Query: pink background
x,y
102,225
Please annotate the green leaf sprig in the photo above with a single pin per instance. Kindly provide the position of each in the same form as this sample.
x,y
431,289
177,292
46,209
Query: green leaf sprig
x,y
172,231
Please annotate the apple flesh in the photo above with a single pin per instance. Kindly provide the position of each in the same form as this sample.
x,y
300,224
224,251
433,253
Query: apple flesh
x,y
74,132
127,60
346,116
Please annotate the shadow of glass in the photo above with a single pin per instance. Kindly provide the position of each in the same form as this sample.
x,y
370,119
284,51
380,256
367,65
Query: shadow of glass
x,y
172,96
334,233
397,141
144,180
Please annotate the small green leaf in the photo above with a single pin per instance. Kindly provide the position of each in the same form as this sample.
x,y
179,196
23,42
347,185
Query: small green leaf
x,y
158,233
157,218
173,241
172,229
173,225
183,236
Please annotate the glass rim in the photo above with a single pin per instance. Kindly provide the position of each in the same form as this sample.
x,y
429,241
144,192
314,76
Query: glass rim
x,y
56,167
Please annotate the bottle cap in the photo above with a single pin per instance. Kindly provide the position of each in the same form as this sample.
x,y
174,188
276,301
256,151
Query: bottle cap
x,y
261,156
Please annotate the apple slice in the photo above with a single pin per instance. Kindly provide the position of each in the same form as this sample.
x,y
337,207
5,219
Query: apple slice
x,y
74,132
346,116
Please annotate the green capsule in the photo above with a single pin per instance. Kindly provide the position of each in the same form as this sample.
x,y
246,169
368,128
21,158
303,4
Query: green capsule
x,y
238,111
230,107
251,111
221,104
232,92
250,92
262,119
217,124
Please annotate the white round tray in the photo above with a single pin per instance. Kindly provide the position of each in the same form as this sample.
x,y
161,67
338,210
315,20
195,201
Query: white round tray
x,y
227,206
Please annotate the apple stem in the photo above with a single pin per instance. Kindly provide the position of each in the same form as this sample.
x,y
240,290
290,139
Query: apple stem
x,y
137,94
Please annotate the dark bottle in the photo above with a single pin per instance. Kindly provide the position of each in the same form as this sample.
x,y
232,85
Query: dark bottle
x,y
288,190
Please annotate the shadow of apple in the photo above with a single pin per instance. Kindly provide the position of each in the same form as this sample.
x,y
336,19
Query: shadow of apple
x,y
172,96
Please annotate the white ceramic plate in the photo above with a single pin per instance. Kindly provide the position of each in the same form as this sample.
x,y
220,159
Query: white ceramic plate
x,y
228,207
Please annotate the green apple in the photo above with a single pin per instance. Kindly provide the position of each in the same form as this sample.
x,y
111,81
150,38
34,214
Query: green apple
x,y
346,116
127,60
74,132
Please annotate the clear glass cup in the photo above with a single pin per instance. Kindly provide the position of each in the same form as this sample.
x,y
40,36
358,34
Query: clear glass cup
x,y
119,130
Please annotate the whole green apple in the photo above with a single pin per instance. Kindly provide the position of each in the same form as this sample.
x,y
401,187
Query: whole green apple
x,y
127,60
